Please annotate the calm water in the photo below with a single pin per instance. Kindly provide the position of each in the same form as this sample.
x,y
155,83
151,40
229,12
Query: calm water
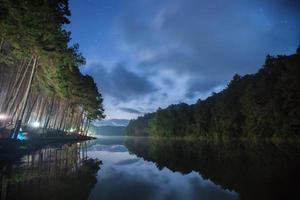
x,y
142,169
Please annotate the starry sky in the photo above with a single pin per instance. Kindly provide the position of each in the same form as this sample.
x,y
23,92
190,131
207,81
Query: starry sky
x,y
145,54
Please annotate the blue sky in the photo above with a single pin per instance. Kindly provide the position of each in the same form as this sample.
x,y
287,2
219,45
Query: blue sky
x,y
146,54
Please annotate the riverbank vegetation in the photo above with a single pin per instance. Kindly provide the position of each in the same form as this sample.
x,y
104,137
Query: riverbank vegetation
x,y
261,105
40,81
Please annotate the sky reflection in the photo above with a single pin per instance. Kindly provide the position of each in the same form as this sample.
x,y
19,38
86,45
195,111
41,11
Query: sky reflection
x,y
126,176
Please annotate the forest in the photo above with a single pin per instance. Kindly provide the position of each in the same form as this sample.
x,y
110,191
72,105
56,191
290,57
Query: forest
x,y
40,81
261,105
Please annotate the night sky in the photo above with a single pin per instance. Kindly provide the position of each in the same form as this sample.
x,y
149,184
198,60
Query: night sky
x,y
146,54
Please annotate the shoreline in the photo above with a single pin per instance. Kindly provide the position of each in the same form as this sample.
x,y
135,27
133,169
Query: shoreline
x,y
226,139
12,151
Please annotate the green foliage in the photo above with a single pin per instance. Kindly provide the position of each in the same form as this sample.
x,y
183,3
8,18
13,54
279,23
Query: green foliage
x,y
35,28
139,127
262,105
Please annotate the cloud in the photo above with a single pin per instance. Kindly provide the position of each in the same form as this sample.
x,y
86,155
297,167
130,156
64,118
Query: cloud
x,y
178,51
196,87
119,82
131,110
108,148
126,176
210,39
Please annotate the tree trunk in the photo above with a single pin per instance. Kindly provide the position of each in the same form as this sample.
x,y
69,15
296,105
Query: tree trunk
x,y
12,102
27,118
25,99
1,43
49,114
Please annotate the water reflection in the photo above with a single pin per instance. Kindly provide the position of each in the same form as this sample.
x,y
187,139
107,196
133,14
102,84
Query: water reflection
x,y
254,170
127,176
148,169
50,173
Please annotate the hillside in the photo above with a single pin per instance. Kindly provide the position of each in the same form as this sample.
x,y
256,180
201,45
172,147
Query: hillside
x,y
108,130
261,105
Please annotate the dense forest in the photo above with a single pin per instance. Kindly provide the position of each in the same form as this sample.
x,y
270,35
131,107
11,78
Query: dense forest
x,y
40,80
261,105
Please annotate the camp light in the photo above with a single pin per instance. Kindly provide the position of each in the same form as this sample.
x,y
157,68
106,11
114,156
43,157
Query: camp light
x,y
3,116
36,124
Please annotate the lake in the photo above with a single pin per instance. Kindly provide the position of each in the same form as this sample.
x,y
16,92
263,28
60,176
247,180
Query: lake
x,y
159,169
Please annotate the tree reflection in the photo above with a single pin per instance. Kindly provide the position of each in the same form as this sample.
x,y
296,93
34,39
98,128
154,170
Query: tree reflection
x,y
254,170
51,173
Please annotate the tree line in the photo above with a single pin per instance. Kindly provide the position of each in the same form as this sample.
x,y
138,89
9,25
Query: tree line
x,y
40,80
261,105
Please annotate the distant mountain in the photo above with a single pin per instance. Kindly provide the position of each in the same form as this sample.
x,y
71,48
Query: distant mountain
x,y
111,122
108,130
